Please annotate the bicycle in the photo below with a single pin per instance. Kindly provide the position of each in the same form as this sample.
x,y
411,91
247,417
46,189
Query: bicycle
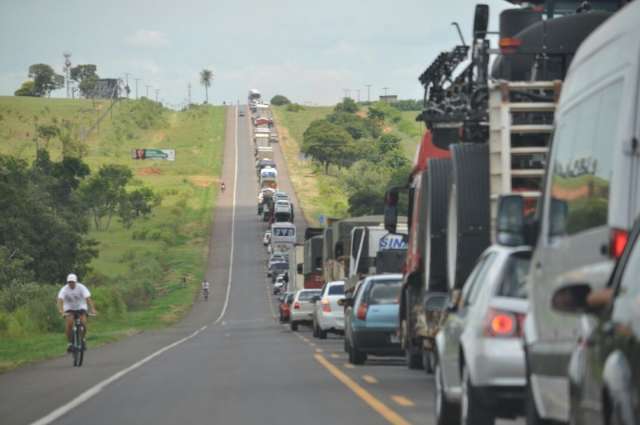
x,y
205,294
78,346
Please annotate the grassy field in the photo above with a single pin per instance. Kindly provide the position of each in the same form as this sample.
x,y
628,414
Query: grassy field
x,y
169,246
317,193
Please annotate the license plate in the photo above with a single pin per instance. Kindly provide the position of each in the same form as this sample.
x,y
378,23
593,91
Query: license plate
x,y
395,339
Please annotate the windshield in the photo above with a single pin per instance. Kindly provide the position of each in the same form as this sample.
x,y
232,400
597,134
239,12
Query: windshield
x,y
307,295
515,276
384,292
336,290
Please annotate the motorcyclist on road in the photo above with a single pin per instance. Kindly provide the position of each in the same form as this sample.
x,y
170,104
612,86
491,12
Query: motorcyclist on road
x,y
73,299
205,289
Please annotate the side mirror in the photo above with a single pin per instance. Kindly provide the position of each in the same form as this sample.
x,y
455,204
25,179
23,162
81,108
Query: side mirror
x,y
299,268
572,298
341,301
391,210
481,21
435,302
315,299
510,220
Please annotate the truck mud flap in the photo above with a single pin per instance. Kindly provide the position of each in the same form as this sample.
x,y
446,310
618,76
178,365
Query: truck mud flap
x,y
437,194
468,227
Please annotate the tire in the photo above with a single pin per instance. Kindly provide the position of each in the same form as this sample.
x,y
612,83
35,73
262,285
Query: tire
x,y
322,334
345,344
531,411
427,361
314,328
356,356
413,358
468,227
446,413
294,326
437,197
472,410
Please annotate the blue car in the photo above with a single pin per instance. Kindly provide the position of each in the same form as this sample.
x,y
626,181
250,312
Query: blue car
x,y
371,318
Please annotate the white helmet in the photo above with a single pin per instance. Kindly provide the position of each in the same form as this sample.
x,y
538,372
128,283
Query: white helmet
x,y
71,277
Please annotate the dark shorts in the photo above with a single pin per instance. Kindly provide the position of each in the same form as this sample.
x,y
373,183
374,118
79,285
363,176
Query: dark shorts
x,y
75,313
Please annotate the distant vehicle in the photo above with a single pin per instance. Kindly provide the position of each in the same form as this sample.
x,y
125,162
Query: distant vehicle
x,y
302,308
240,112
479,366
328,315
284,308
371,324
276,269
267,238
283,211
279,285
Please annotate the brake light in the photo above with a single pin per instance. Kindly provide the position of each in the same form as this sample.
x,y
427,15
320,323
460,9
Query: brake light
x,y
509,45
326,307
503,324
361,314
296,305
617,243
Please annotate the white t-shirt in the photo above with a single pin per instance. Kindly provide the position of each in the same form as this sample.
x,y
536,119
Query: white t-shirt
x,y
74,299
205,285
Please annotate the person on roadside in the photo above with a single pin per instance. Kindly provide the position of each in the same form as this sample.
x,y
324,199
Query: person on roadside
x,y
74,298
205,289
222,186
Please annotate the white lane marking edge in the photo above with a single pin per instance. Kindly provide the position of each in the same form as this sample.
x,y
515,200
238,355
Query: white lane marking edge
x,y
93,391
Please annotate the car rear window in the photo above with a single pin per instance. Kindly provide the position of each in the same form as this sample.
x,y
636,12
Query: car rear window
x,y
336,290
384,292
307,295
514,278
280,266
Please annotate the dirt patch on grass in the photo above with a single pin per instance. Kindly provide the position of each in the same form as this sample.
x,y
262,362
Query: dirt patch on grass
x,y
202,181
149,171
159,136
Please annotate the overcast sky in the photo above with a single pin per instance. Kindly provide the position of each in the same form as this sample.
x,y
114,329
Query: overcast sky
x,y
307,50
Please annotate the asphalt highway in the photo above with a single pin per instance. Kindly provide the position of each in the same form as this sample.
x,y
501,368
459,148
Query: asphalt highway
x,y
229,361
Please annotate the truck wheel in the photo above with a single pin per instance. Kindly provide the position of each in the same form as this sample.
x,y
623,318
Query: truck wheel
x,y
294,326
435,259
472,410
446,412
468,229
322,334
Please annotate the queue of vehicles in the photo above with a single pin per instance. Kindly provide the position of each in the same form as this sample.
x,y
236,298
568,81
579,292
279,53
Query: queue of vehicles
x,y
514,277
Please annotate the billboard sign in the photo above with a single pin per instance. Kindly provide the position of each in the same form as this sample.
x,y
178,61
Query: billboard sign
x,y
164,154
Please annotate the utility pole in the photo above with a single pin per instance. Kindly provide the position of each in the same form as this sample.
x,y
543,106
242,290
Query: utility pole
x,y
385,90
346,93
137,79
157,92
358,95
368,93
189,91
67,68
148,87
126,83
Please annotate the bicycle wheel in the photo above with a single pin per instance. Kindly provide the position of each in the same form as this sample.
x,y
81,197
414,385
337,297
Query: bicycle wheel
x,y
75,351
81,333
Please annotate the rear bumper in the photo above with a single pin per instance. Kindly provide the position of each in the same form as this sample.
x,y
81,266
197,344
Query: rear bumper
x,y
505,401
301,317
331,321
498,363
377,342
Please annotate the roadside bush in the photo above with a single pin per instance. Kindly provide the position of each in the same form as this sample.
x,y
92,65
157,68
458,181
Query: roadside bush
x,y
279,100
294,107
138,294
109,302
4,322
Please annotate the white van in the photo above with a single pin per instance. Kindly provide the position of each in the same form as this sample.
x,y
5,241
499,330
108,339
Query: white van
x,y
591,199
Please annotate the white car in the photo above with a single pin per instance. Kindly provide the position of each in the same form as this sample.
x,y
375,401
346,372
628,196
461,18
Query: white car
x,y
267,238
279,285
302,308
328,316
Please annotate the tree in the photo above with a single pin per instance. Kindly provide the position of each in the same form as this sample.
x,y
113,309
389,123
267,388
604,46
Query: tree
x,y
26,89
45,80
206,77
347,105
279,100
387,143
138,203
382,111
86,77
327,143
104,192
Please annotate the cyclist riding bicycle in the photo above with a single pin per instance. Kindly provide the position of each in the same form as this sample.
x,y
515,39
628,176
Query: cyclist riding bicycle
x,y
222,187
205,288
72,300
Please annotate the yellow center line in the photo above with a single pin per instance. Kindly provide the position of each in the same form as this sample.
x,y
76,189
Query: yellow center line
x,y
369,379
391,416
402,401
